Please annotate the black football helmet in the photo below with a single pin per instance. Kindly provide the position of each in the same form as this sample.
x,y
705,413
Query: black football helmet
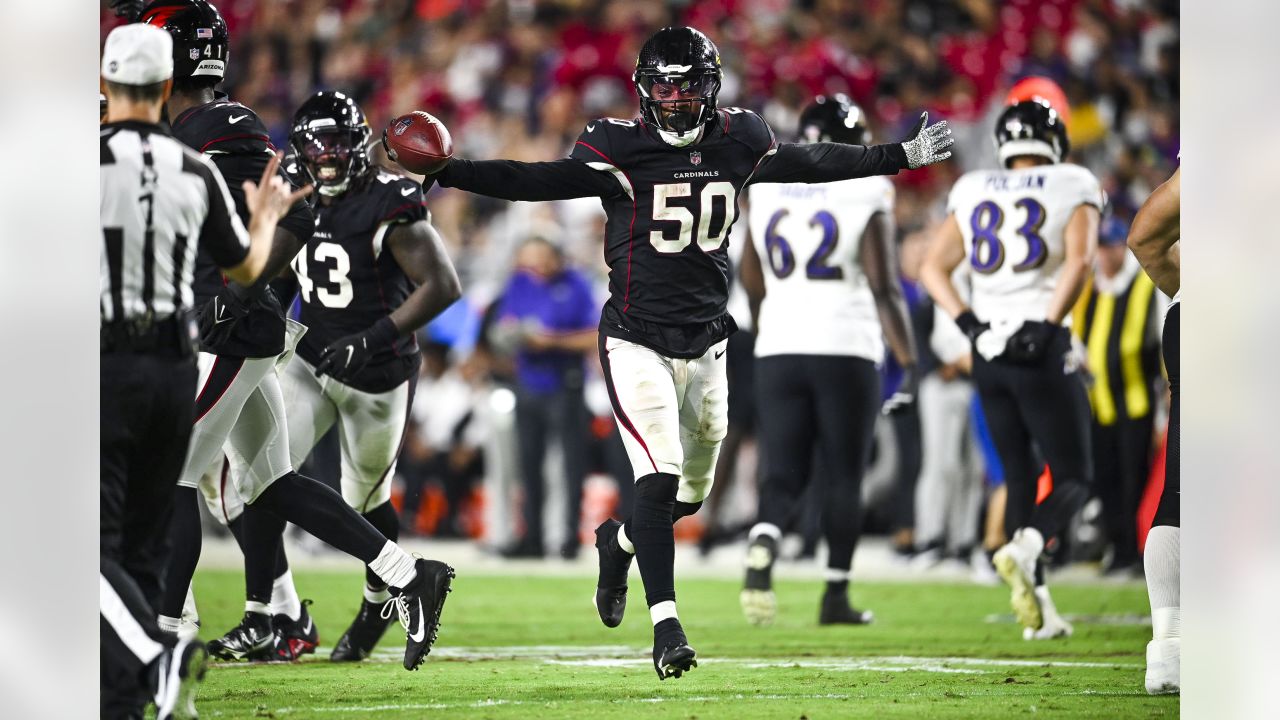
x,y
201,45
330,138
1031,127
678,68
834,119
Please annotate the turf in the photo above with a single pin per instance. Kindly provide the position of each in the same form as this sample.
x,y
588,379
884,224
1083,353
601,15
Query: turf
x,y
532,647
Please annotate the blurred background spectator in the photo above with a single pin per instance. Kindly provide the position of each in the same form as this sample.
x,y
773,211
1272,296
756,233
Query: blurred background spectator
x,y
519,79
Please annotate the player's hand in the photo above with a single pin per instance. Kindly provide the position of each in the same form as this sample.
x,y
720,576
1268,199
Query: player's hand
x,y
1030,343
925,145
904,398
270,198
971,326
219,316
347,356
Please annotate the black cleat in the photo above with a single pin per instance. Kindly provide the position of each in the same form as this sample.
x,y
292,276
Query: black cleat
x,y
295,638
420,604
759,604
252,639
672,656
615,563
836,610
178,672
363,635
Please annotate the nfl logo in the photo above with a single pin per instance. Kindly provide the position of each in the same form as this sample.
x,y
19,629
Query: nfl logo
x,y
204,33
195,53
402,126
695,158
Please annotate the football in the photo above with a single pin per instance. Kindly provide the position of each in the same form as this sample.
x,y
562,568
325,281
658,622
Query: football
x,y
418,142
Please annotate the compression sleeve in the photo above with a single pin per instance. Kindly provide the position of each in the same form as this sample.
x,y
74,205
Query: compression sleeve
x,y
513,180
828,162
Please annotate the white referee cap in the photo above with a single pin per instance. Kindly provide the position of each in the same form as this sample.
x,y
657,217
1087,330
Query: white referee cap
x,y
137,54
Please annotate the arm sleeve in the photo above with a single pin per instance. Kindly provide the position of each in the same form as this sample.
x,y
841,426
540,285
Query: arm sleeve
x,y
513,180
222,234
828,162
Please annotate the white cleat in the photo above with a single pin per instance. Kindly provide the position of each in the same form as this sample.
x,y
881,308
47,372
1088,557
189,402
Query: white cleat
x,y
1053,625
1016,565
1164,663
759,606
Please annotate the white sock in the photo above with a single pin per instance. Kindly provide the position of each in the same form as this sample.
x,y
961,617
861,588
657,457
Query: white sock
x,y
169,624
189,611
256,607
764,528
394,566
834,575
662,611
284,597
376,596
1161,561
1031,539
624,542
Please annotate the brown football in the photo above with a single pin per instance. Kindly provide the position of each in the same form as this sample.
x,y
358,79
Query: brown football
x,y
418,142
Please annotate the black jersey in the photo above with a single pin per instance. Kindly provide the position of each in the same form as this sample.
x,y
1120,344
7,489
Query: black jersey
x,y
349,279
236,140
669,211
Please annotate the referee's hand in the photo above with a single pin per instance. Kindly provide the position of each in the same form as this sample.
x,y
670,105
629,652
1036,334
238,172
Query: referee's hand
x,y
269,199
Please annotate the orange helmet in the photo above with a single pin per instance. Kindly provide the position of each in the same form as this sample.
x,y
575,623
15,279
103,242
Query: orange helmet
x,y
1034,87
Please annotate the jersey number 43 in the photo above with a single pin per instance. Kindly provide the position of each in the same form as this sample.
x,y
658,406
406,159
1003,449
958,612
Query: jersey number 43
x,y
325,292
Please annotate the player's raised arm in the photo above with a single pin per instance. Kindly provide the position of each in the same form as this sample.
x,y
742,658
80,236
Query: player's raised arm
x,y
827,162
1155,232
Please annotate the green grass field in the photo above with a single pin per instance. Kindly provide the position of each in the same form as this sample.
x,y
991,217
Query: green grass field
x,y
532,647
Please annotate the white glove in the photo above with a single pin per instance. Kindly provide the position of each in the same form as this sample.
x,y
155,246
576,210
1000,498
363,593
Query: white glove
x,y
924,145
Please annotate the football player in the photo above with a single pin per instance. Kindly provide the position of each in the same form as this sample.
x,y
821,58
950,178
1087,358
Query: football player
x,y
1155,238
822,266
373,265
239,402
669,182
1028,231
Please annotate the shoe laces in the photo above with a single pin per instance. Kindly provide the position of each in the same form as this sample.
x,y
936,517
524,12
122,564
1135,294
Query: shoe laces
x,y
401,606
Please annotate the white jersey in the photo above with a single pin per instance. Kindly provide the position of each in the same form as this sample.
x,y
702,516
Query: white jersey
x,y
817,300
1014,224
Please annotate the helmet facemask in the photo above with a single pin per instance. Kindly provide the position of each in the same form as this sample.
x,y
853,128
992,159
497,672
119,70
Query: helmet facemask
x,y
332,156
678,102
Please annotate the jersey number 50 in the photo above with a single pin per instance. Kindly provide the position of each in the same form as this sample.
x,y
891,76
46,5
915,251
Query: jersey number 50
x,y
683,215
337,275
988,251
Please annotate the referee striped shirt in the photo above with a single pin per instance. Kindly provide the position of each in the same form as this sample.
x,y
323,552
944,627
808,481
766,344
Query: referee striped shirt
x,y
161,201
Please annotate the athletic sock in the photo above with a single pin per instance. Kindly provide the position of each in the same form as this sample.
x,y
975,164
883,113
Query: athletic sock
x,y
664,610
624,542
262,534
837,587
376,597
1161,562
394,566
653,534
284,597
169,624
384,519
316,508
251,606
764,528
184,550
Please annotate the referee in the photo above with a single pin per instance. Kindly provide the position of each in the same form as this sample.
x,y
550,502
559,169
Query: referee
x,y
160,204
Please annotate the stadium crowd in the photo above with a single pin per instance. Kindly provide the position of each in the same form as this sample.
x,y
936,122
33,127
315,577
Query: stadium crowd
x,y
519,79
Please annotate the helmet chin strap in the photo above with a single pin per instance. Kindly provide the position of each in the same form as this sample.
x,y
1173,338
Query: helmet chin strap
x,y
336,190
683,139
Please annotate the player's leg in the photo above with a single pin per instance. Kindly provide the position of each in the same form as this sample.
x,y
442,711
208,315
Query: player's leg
x,y
1163,550
643,392
787,432
942,423
847,408
1016,561
533,412
419,586
186,538
571,425
371,431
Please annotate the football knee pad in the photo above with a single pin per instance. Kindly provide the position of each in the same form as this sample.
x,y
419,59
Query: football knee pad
x,y
655,502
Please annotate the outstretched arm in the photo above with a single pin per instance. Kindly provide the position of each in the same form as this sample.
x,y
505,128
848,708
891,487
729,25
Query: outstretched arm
x,y
828,162
514,180
1154,234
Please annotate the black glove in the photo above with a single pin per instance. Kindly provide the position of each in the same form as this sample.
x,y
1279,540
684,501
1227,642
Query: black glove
x,y
905,396
971,326
346,356
1030,343
219,316
130,10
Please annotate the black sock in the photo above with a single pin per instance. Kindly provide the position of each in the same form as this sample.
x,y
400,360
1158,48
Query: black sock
x,y
838,587
653,535
316,508
184,550
385,520
261,532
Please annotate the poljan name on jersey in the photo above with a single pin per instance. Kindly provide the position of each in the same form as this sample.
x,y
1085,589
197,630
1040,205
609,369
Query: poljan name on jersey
x,y
1005,183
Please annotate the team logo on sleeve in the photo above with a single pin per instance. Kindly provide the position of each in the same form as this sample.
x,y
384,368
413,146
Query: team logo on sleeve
x,y
695,158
